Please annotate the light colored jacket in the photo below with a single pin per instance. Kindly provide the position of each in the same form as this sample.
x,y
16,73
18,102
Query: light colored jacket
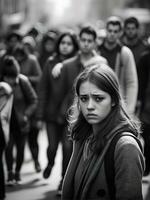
x,y
126,70
6,101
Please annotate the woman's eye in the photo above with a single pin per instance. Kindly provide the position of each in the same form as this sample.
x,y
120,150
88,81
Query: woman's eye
x,y
83,99
98,99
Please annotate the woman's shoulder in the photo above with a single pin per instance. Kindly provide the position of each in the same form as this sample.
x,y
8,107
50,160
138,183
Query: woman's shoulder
x,y
128,141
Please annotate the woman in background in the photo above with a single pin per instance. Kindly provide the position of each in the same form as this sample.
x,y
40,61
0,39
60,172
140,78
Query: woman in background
x,y
50,99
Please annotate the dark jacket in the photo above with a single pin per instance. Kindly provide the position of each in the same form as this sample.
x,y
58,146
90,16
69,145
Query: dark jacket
x,y
30,67
92,183
144,86
50,93
71,69
25,100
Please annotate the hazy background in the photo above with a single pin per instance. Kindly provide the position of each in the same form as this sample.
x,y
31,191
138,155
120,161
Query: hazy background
x,y
23,14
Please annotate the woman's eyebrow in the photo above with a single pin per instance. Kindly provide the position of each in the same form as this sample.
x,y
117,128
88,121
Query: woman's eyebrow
x,y
83,95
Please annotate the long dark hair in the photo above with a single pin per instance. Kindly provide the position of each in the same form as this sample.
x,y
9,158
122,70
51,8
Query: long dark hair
x,y
104,78
73,37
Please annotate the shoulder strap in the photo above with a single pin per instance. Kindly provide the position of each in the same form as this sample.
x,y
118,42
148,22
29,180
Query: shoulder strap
x,y
21,83
109,163
118,62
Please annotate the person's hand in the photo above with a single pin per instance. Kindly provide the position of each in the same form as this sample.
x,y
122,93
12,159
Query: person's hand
x,y
57,70
25,119
25,126
39,124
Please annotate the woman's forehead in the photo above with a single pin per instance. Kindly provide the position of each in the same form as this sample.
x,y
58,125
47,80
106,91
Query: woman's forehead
x,y
89,87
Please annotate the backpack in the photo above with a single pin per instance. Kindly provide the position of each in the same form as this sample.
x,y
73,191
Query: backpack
x,y
109,162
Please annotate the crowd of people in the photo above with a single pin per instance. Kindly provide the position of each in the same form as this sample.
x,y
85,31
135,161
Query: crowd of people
x,y
87,90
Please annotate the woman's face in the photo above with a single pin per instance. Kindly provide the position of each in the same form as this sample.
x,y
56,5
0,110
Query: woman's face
x,y
49,45
95,104
66,46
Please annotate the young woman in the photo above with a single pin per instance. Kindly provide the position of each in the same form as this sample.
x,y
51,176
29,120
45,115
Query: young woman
x,y
97,117
50,99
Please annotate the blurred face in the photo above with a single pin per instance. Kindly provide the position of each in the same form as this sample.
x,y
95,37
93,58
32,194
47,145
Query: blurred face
x,y
131,31
95,104
101,35
113,33
87,43
66,46
49,45
13,42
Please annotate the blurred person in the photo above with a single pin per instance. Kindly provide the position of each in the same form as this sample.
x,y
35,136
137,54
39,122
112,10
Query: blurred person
x,y
100,127
30,45
87,51
35,33
144,103
29,66
12,39
6,100
101,35
69,69
47,47
121,60
132,39
24,105
50,94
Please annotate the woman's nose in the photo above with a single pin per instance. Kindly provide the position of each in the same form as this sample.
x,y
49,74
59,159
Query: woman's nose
x,y
90,104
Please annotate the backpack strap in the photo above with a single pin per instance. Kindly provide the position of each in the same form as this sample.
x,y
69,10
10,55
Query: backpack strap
x,y
109,162
22,80
118,62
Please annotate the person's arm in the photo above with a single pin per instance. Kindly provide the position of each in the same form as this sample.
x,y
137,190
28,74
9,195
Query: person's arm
x,y
36,72
56,71
130,79
30,96
129,168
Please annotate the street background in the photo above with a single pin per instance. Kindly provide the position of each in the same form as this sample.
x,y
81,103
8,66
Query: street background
x,y
34,187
